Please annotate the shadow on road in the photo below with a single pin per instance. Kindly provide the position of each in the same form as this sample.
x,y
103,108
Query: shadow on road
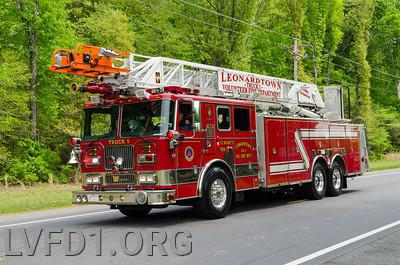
x,y
174,215
349,191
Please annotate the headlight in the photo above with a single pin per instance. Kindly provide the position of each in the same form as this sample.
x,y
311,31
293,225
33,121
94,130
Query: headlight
x,y
92,161
148,179
151,178
95,160
146,158
93,180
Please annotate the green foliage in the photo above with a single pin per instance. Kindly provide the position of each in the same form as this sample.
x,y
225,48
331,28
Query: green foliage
x,y
18,161
108,27
35,163
334,24
358,18
366,31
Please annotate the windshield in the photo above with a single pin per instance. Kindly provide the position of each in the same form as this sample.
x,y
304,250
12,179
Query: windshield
x,y
100,123
147,118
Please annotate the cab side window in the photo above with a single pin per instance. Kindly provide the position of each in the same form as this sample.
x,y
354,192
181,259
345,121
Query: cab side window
x,y
223,118
185,116
242,119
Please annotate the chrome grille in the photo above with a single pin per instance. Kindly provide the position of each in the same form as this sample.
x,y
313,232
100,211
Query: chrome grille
x,y
120,179
124,151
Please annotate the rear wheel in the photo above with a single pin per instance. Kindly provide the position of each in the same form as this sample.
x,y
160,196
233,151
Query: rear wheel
x,y
316,189
134,210
335,180
217,195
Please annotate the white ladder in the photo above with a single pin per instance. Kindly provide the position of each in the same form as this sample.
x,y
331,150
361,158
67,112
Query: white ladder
x,y
149,72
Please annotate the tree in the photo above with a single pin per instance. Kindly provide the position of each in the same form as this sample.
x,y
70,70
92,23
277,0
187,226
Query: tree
x,y
314,31
109,27
334,33
28,13
358,18
384,53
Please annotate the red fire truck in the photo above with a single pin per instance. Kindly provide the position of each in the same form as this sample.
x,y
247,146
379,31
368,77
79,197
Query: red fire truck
x,y
159,131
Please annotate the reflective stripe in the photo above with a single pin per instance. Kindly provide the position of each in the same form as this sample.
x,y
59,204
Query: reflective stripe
x,y
327,134
286,167
302,149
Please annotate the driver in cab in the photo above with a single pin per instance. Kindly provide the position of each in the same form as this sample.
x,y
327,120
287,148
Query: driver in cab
x,y
185,123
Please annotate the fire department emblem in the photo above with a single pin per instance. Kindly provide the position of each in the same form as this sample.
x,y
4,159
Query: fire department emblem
x,y
209,112
115,178
189,154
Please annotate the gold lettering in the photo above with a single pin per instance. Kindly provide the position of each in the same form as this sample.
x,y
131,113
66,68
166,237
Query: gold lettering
x,y
118,141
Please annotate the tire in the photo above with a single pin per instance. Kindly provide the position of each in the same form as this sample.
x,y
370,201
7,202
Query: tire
x,y
217,195
133,210
334,185
316,189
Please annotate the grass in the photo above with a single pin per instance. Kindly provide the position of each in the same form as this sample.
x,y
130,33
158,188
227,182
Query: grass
x,y
45,196
384,164
392,160
30,198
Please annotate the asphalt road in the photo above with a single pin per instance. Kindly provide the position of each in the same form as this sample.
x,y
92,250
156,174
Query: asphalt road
x,y
360,227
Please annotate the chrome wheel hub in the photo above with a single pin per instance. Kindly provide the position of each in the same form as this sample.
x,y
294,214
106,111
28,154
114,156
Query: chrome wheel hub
x,y
336,178
319,181
218,193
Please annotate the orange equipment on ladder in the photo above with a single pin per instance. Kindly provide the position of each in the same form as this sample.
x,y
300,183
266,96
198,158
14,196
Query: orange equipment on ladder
x,y
89,61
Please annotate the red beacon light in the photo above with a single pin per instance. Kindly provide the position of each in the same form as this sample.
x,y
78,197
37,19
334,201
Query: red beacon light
x,y
173,89
181,90
170,135
75,141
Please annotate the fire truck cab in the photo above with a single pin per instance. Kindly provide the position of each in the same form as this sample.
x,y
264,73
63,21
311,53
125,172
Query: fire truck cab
x,y
149,141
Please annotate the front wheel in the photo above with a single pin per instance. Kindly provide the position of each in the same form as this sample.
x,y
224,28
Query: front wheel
x,y
133,210
315,190
217,195
335,180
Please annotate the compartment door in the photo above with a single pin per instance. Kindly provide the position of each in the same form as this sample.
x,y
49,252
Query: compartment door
x,y
276,151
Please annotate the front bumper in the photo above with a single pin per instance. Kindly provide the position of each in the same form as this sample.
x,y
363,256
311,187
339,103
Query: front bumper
x,y
134,197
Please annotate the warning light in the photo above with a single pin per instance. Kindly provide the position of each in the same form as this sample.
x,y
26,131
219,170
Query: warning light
x,y
170,135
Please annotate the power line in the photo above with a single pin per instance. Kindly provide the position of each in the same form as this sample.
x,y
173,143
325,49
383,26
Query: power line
x,y
352,70
281,34
217,47
342,82
346,83
237,20
283,47
250,36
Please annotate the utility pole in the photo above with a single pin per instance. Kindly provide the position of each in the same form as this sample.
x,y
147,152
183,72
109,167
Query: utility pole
x,y
315,66
328,69
398,90
295,58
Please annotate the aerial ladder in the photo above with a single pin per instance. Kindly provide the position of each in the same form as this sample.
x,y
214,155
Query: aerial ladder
x,y
130,74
